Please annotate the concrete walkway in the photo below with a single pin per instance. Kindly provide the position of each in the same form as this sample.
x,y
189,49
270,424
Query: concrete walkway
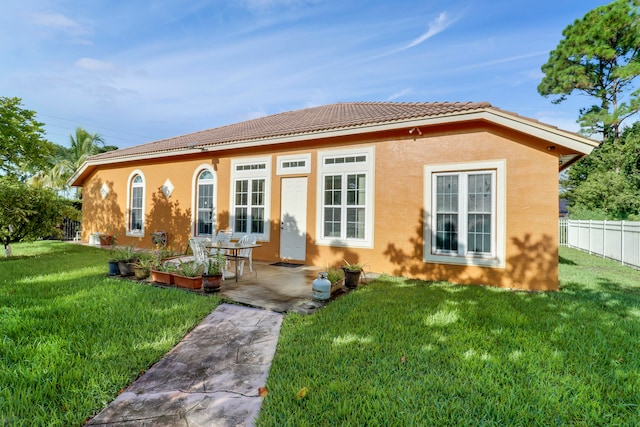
x,y
211,378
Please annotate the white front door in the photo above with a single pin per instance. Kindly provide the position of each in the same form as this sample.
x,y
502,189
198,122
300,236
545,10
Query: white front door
x,y
293,219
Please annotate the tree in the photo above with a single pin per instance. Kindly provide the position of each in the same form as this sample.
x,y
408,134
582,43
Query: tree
x,y
29,213
599,56
23,148
67,160
83,145
606,183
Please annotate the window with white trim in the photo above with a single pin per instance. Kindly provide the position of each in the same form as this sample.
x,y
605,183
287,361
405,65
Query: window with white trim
x,y
135,226
465,214
205,211
294,164
346,198
250,196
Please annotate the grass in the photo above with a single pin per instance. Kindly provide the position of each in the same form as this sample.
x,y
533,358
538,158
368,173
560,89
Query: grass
x,y
403,352
398,352
71,338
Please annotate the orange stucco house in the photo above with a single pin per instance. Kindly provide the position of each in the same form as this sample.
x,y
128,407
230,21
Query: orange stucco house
x,y
463,192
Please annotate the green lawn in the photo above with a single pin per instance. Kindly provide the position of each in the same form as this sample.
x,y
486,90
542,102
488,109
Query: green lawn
x,y
71,338
397,352
404,352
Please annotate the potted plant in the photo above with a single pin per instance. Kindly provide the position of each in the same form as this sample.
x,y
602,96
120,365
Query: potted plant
x,y
113,262
162,273
188,275
107,239
212,276
352,274
113,259
142,266
336,277
126,255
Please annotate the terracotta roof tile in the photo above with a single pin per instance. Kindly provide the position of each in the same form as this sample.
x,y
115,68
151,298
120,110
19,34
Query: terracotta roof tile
x,y
299,122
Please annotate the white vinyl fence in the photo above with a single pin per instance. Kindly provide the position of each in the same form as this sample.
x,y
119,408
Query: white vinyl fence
x,y
617,240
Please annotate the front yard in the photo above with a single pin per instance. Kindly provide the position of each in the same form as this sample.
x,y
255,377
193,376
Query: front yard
x,y
396,352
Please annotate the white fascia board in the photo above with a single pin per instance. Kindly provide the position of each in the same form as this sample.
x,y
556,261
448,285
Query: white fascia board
x,y
540,130
545,132
131,158
536,129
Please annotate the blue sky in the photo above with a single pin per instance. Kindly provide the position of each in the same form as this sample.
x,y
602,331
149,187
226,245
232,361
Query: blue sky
x,y
138,71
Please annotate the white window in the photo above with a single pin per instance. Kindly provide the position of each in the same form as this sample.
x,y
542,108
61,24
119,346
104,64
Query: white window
x,y
294,164
251,184
135,204
205,209
346,198
465,213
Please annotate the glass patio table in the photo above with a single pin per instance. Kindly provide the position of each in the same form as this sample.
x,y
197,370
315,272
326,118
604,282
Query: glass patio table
x,y
234,249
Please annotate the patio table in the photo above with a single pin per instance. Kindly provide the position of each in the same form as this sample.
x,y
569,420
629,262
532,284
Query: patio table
x,y
234,249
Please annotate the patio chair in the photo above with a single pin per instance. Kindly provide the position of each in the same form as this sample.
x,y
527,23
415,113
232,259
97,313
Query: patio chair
x,y
223,236
199,251
246,254
200,256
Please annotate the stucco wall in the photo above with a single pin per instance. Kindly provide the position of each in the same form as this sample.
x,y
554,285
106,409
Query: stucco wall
x,y
531,203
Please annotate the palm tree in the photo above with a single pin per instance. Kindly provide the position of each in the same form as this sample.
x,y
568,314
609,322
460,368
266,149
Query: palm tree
x,y
82,145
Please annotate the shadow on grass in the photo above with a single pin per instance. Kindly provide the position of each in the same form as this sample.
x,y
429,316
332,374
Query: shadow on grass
x,y
468,350
565,261
70,331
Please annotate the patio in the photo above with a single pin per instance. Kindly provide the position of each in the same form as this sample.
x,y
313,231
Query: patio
x,y
274,288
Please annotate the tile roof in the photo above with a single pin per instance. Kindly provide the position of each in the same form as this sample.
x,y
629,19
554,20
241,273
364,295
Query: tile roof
x,y
300,122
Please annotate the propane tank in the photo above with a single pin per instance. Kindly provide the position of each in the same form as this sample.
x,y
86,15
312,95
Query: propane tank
x,y
321,287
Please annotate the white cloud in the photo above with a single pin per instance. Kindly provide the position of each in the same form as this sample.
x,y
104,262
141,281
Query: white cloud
x,y
438,25
400,94
90,64
60,22
260,5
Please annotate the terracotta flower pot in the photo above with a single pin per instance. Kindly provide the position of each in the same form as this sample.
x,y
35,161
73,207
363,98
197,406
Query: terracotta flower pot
x,y
163,277
106,240
187,282
211,283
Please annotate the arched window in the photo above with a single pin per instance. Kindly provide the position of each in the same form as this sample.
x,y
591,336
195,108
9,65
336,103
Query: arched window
x,y
136,205
205,212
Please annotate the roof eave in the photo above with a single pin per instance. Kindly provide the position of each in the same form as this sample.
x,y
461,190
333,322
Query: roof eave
x,y
76,180
573,142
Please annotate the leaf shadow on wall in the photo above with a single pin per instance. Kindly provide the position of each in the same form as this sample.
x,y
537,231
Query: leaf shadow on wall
x,y
106,214
296,234
531,264
168,216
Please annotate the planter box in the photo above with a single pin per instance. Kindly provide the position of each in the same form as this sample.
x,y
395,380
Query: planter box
x,y
163,277
187,282
336,286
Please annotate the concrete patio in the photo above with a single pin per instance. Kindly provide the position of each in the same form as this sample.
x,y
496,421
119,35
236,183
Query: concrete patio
x,y
273,288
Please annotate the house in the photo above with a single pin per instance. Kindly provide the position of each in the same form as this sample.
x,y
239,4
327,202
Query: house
x,y
463,192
